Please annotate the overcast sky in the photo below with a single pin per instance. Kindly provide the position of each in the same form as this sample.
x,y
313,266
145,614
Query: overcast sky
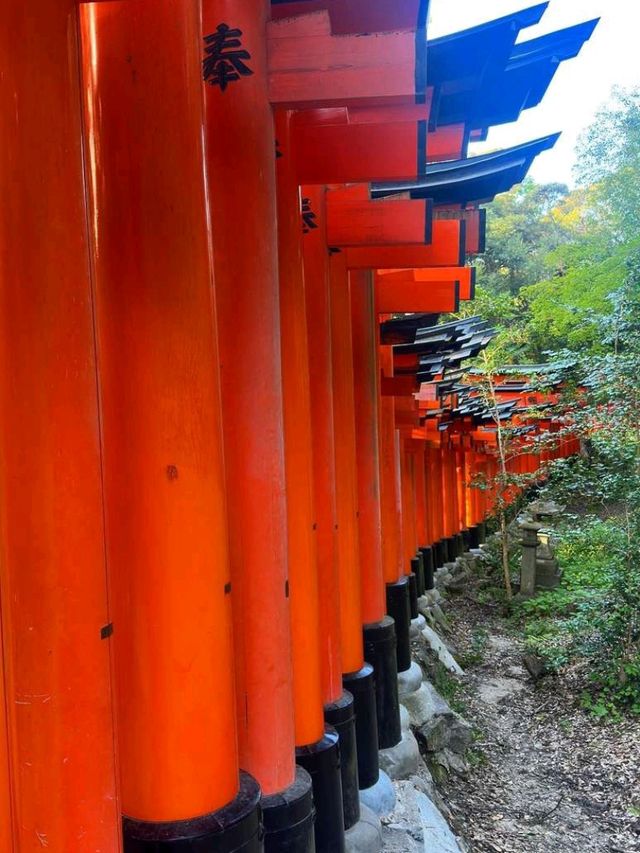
x,y
581,85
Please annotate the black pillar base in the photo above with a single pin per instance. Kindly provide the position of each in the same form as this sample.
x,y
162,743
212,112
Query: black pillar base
x,y
341,715
321,760
417,567
482,532
459,544
440,554
399,610
451,548
236,828
380,652
413,594
289,816
466,539
474,536
361,686
428,562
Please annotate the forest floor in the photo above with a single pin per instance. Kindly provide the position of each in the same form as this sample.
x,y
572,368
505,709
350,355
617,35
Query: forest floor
x,y
545,776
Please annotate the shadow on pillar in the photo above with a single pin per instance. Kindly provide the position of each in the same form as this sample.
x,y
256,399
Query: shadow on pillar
x,y
380,652
413,594
289,817
236,828
398,607
341,715
321,760
362,687
428,563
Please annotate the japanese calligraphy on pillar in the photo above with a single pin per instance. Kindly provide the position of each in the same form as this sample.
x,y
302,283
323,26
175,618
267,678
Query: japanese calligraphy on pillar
x,y
224,60
308,216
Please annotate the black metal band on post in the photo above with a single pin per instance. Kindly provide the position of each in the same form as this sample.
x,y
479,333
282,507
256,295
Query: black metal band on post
x,y
361,686
399,609
428,562
380,652
417,567
321,760
474,537
466,539
341,715
288,817
236,828
451,548
482,532
413,594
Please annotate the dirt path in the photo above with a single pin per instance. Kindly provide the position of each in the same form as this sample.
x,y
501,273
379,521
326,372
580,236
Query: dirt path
x,y
545,776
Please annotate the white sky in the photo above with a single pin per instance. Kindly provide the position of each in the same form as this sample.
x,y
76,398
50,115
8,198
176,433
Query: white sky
x,y
581,85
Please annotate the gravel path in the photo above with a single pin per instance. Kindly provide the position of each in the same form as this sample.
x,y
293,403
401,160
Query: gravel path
x,y
546,777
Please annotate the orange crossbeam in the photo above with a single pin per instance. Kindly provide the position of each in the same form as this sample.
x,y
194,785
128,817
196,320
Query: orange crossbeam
x,y
352,223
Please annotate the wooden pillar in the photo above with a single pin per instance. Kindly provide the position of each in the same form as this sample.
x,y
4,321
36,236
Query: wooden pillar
x,y
378,629
316,274
277,669
346,481
161,424
358,675
55,614
314,745
366,384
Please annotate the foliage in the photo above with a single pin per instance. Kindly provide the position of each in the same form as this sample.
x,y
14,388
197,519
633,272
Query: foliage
x,y
609,161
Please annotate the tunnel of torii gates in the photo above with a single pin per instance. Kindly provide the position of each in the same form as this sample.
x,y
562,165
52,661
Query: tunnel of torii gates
x,y
234,441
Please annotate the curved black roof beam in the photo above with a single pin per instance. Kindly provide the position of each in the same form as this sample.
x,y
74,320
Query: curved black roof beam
x,y
468,52
522,82
473,180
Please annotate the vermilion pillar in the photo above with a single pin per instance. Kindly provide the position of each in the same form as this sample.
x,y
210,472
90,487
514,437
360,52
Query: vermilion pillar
x,y
321,755
57,738
379,629
397,585
278,679
358,675
316,284
161,425
339,703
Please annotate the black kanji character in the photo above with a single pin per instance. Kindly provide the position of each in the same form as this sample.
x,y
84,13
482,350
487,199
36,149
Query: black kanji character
x,y
223,62
308,216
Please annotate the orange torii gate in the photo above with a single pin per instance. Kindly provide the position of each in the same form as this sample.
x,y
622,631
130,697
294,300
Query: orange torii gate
x,y
193,400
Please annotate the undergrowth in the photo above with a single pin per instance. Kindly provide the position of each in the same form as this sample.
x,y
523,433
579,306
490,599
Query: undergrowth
x,y
593,617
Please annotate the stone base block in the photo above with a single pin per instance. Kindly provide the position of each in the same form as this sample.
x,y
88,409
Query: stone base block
x,y
381,797
417,626
410,680
403,759
366,835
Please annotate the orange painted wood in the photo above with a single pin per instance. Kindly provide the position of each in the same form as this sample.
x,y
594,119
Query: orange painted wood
x,y
465,276
6,806
421,503
476,225
341,153
57,736
309,66
316,274
346,478
446,143
447,249
407,488
412,296
357,16
434,482
240,119
390,501
301,518
377,223
366,387
166,517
